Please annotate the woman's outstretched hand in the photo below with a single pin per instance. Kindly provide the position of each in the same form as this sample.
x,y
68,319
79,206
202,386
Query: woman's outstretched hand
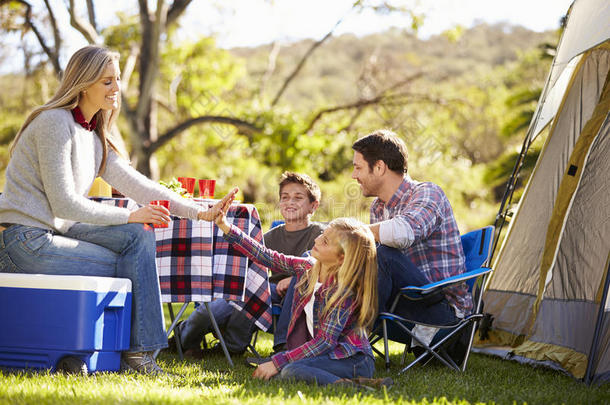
x,y
150,214
219,211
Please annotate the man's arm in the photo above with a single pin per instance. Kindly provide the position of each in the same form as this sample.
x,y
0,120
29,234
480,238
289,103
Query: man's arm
x,y
415,221
395,232
375,229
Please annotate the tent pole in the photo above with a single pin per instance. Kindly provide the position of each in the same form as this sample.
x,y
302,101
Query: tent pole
x,y
508,193
529,137
598,328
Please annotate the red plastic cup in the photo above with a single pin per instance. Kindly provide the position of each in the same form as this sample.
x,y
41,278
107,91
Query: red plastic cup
x,y
188,183
206,188
164,203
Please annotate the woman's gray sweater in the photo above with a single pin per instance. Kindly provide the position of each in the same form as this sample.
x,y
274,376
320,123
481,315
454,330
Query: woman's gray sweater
x,y
52,169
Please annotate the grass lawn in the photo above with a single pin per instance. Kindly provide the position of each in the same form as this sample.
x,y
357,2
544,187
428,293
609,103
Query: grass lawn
x,y
486,380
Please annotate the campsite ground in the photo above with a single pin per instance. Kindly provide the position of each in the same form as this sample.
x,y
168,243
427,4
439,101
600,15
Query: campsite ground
x,y
486,380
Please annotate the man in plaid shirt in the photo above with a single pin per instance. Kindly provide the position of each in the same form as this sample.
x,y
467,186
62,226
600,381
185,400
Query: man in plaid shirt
x,y
413,223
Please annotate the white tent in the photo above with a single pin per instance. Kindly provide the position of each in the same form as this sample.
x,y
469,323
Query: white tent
x,y
549,291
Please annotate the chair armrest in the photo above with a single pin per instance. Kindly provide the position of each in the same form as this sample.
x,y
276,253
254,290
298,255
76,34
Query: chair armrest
x,y
419,292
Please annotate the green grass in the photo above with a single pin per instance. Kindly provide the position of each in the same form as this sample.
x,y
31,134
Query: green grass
x,y
212,381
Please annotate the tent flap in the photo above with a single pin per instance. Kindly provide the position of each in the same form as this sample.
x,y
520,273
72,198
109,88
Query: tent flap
x,y
544,295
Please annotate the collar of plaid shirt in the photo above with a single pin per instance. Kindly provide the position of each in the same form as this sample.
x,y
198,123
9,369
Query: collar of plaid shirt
x,y
80,119
405,187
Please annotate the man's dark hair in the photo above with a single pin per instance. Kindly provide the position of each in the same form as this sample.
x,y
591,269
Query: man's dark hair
x,y
313,190
386,146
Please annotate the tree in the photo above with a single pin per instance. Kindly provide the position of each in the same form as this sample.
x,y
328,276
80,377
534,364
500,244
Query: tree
x,y
141,111
144,45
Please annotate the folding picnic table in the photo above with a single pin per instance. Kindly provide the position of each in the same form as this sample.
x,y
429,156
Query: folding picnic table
x,y
196,264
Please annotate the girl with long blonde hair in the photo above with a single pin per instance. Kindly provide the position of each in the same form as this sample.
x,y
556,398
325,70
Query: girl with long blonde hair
x,y
335,302
49,225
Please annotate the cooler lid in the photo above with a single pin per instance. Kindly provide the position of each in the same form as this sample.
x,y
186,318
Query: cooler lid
x,y
54,282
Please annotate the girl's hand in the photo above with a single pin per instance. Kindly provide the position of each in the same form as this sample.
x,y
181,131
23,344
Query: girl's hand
x,y
221,219
220,208
151,214
265,371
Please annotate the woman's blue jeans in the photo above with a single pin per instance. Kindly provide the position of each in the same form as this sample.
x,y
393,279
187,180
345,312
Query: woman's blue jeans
x,y
323,370
124,251
235,327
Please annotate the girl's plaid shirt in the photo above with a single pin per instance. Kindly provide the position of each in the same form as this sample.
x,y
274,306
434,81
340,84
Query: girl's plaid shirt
x,y
335,333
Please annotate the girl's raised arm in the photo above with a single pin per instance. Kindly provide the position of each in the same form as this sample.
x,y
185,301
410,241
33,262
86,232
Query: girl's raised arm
x,y
256,251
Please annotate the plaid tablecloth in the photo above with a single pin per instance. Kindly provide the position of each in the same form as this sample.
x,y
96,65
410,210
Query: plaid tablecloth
x,y
195,262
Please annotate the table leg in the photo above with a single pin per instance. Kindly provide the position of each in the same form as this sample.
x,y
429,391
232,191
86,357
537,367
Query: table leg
x,y
218,334
176,332
173,325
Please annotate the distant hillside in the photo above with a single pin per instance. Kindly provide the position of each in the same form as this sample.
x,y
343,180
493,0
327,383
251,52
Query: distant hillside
x,y
331,73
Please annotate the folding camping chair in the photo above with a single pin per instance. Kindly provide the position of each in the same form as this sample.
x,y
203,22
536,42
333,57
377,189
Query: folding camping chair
x,y
477,251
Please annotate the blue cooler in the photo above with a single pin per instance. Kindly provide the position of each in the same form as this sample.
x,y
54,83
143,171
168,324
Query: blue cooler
x,y
63,322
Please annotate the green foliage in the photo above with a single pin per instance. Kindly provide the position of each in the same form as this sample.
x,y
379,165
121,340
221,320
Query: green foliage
x,y
196,79
519,123
175,186
467,108
497,174
122,36
454,34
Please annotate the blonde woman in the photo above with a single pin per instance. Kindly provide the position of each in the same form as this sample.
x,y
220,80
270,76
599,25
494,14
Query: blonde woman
x,y
51,227
335,301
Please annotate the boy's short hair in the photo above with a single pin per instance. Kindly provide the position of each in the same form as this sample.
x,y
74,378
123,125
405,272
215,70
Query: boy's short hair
x,y
313,190
386,146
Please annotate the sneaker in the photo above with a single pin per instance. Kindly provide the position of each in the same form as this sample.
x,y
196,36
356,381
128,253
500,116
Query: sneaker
x,y
140,362
346,382
375,383
257,361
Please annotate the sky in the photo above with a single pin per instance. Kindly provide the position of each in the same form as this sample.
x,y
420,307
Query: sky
x,y
255,22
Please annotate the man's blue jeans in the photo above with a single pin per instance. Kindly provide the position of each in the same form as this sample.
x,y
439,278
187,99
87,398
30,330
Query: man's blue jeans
x,y
323,370
235,326
124,251
395,270
283,321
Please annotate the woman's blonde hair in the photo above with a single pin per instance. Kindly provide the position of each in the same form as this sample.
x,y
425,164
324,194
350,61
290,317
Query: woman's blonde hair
x,y
355,277
85,68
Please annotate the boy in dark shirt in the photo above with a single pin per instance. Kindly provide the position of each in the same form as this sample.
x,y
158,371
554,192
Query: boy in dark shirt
x,y
299,199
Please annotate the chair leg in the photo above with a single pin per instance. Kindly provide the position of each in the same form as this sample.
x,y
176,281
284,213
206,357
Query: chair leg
x,y
432,351
446,356
386,345
428,349
404,354
472,332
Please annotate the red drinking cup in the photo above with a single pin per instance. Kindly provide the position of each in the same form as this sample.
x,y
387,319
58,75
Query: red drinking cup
x,y
164,203
188,183
206,188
